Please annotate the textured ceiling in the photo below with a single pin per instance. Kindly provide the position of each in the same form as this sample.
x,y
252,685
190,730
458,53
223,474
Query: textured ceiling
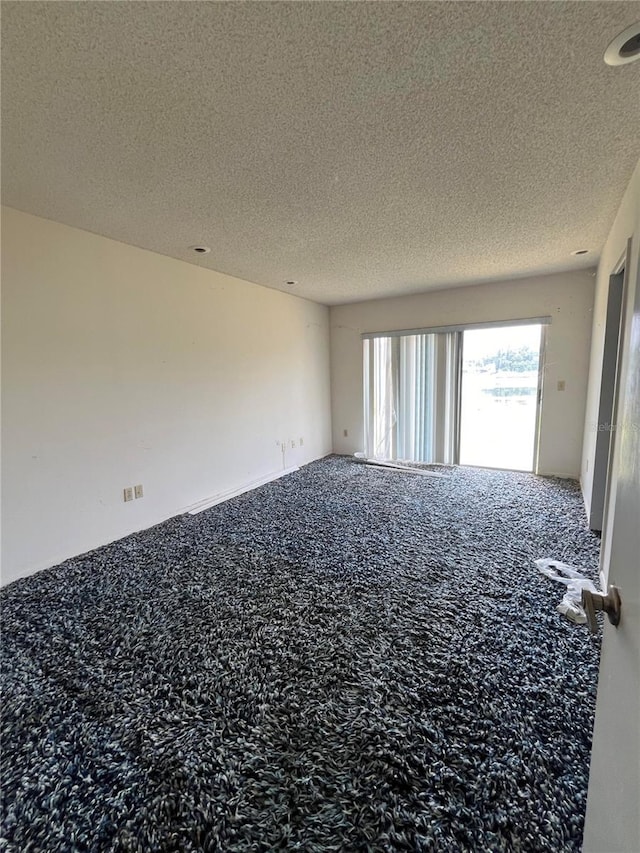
x,y
363,149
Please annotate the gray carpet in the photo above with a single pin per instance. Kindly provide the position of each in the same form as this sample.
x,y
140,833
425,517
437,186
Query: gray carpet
x,y
345,659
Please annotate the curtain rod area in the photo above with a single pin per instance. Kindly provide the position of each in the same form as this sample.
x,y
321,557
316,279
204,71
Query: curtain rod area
x,y
460,327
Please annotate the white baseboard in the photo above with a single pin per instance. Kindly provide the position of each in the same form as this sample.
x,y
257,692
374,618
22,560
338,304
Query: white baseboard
x,y
200,506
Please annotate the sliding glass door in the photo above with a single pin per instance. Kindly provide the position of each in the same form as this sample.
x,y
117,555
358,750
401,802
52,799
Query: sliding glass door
x,y
411,396
455,395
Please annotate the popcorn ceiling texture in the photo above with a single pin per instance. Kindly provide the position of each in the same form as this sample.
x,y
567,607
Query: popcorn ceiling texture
x,y
362,149
345,659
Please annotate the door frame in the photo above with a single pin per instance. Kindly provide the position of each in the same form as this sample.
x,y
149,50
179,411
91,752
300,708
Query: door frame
x,y
608,398
542,363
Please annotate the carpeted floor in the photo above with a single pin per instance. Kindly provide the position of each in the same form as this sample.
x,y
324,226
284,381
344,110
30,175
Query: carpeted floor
x,y
345,659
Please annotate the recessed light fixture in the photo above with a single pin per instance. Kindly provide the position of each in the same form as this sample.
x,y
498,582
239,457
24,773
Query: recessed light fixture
x,y
580,252
200,250
291,282
625,47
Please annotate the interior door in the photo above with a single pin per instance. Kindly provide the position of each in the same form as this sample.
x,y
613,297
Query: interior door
x,y
613,805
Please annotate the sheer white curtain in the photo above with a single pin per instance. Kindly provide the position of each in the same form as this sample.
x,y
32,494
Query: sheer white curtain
x,y
411,397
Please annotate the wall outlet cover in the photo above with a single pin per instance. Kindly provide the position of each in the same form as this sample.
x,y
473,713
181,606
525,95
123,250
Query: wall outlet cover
x,y
128,494
138,492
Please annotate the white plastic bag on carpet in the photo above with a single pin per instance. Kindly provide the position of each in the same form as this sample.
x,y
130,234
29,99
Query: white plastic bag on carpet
x,y
575,581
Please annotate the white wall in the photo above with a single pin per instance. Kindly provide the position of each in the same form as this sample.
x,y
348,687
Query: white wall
x,y
624,226
566,297
120,366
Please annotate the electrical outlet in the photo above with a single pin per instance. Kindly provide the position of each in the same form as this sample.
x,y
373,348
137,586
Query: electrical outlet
x,y
561,384
128,494
138,492
345,432
293,442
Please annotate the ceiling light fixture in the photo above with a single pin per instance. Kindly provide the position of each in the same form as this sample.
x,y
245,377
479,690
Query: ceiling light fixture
x,y
200,250
580,252
625,47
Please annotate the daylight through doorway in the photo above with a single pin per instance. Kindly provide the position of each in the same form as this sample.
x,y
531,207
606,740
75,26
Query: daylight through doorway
x,y
499,396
